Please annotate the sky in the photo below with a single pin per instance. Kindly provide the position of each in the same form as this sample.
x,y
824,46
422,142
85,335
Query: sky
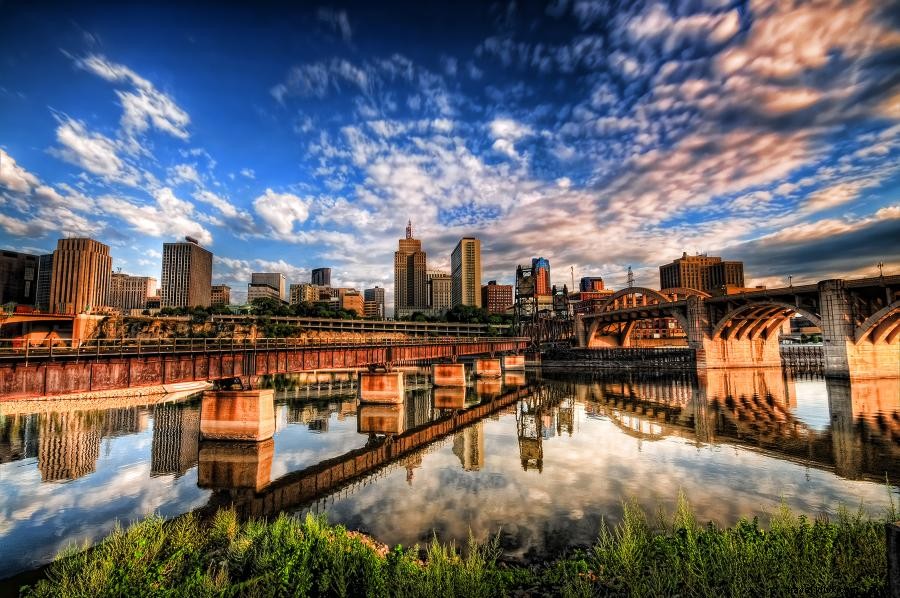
x,y
600,135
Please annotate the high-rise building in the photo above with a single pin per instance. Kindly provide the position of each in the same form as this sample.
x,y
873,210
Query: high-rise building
x,y
186,274
220,294
130,292
266,284
465,262
701,272
591,283
44,276
18,277
304,293
540,269
321,277
375,295
497,298
81,272
373,310
409,276
439,287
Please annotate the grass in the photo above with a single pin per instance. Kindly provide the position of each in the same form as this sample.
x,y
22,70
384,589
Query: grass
x,y
665,556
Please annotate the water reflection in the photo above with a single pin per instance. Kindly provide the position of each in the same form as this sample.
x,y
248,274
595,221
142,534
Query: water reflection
x,y
542,457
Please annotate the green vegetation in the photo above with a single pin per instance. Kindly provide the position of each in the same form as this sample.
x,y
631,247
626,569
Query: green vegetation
x,y
293,557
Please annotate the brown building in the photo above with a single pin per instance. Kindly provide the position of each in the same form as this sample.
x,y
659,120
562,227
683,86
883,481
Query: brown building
x,y
374,295
465,265
657,328
82,269
352,300
220,294
186,274
304,293
409,276
497,298
128,292
373,310
701,272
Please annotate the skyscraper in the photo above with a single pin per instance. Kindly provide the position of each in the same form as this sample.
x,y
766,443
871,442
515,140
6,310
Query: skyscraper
x,y
540,268
81,273
186,274
465,264
440,291
409,276
321,277
591,283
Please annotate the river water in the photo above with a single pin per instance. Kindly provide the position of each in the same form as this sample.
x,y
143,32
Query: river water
x,y
554,454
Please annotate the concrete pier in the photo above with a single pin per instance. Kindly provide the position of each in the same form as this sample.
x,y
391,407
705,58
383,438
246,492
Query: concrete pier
x,y
380,419
235,465
381,387
237,415
487,368
513,363
450,397
448,374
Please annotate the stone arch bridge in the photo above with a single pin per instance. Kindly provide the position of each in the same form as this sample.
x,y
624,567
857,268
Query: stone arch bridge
x,y
859,319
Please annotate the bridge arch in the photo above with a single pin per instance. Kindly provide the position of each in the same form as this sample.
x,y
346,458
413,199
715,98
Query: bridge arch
x,y
758,319
618,332
883,325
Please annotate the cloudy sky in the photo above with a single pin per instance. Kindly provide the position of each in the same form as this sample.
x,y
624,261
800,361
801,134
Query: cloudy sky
x,y
597,134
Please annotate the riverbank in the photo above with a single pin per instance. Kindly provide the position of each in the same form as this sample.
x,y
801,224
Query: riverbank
x,y
642,556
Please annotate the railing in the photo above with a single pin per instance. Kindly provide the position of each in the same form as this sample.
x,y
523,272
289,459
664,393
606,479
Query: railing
x,y
13,349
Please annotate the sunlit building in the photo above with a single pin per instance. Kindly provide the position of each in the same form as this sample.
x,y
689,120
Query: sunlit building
x,y
186,274
375,296
540,269
81,275
220,295
497,298
409,276
128,292
701,272
465,265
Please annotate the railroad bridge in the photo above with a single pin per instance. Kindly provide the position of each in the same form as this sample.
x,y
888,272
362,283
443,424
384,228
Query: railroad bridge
x,y
859,319
99,366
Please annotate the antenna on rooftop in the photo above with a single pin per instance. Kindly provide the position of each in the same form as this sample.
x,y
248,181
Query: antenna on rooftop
x,y
409,229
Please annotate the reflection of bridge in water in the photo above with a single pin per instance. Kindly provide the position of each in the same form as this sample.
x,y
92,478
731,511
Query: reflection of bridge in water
x,y
239,472
754,409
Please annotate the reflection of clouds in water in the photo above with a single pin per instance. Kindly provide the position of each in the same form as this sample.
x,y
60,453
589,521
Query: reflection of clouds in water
x,y
812,404
38,519
585,478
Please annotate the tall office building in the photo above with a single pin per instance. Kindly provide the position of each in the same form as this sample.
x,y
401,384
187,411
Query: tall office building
x,y
82,269
321,277
266,284
130,292
186,274
497,298
18,277
42,287
440,291
540,269
375,295
220,294
465,266
409,276
701,272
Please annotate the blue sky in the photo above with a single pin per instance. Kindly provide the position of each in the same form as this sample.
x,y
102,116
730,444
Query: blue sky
x,y
597,134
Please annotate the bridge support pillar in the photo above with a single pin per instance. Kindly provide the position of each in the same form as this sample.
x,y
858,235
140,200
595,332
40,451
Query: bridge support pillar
x,y
238,414
487,368
843,357
513,362
381,387
448,374
382,419
235,465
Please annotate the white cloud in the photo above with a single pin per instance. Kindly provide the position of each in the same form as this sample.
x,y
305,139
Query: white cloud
x,y
184,173
338,20
144,106
94,152
281,211
13,177
169,217
248,172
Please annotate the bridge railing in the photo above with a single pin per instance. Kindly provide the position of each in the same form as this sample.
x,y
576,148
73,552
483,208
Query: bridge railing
x,y
24,348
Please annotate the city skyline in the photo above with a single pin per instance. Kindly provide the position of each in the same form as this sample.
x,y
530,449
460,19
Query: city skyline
x,y
599,139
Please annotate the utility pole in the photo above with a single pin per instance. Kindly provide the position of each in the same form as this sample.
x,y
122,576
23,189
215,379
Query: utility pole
x,y
630,277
